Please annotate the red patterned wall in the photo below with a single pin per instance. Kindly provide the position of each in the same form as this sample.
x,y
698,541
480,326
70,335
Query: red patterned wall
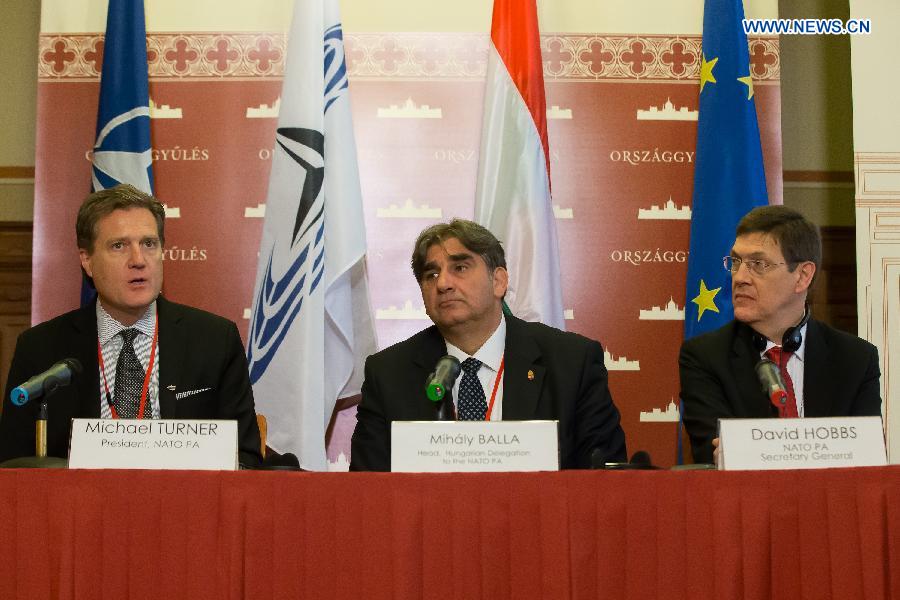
x,y
622,136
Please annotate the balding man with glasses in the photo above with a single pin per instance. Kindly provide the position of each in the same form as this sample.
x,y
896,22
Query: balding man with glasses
x,y
773,263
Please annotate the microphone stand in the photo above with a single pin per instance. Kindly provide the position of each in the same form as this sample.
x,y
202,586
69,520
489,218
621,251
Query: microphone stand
x,y
445,410
40,460
40,431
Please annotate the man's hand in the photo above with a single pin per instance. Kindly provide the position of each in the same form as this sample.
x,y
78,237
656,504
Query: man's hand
x,y
715,444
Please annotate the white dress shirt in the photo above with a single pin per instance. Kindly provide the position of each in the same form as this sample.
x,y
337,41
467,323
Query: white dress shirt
x,y
111,344
794,367
490,355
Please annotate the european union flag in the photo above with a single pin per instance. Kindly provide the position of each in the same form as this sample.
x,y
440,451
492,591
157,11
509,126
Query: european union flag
x,y
122,146
728,175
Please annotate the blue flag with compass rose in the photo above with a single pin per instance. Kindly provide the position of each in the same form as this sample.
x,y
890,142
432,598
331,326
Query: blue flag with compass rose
x,y
121,152
122,145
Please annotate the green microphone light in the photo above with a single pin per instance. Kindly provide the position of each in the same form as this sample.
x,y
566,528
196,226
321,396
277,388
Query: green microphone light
x,y
435,392
445,373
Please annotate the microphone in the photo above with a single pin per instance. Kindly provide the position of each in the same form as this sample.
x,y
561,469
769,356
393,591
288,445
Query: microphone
x,y
44,384
640,461
772,384
280,462
441,380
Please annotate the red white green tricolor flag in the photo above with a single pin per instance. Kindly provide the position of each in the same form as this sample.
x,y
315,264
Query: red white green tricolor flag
x,y
512,194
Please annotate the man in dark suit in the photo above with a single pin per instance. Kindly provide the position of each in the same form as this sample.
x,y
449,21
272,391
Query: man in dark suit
x,y
142,356
512,370
773,262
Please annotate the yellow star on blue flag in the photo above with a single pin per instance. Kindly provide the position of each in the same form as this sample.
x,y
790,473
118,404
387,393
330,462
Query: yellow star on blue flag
x,y
706,71
705,300
748,81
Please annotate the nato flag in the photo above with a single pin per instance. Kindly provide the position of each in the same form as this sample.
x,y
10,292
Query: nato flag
x,y
122,147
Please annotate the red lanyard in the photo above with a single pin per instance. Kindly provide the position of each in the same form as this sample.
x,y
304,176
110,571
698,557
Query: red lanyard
x,y
112,408
499,378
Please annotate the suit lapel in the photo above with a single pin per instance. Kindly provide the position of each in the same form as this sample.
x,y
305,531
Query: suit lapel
x,y
84,344
816,373
523,379
743,364
172,348
428,353
431,350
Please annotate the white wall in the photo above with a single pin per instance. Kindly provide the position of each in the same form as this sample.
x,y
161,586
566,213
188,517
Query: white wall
x,y
876,135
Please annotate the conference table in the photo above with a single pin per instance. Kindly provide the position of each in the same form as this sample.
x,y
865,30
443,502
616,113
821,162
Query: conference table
x,y
831,533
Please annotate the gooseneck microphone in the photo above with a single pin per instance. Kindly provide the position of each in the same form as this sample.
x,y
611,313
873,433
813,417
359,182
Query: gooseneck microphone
x,y
442,379
44,384
772,384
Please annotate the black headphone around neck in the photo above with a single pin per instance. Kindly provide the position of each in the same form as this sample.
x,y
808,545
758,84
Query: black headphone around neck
x,y
790,341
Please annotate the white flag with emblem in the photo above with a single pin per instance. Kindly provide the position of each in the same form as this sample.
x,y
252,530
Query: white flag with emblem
x,y
311,327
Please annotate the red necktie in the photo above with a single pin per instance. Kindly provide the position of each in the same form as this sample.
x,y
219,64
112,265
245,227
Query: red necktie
x,y
781,358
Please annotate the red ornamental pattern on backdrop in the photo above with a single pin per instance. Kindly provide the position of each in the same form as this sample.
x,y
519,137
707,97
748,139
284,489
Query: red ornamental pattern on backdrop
x,y
622,126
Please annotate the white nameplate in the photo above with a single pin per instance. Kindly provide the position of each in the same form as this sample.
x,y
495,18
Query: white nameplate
x,y
474,446
819,443
153,444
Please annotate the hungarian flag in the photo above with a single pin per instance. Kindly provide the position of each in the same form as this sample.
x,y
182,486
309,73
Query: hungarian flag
x,y
512,194
311,328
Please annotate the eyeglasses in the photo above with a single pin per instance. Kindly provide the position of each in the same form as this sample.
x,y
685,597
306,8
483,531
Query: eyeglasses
x,y
756,266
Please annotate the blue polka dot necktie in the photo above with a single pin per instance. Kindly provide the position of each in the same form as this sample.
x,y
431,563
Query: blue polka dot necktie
x,y
471,404
129,379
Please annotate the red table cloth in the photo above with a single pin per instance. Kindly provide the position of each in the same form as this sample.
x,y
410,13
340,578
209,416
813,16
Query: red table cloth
x,y
151,534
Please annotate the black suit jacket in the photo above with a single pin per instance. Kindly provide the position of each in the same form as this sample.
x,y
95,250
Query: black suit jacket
x,y
718,379
569,384
196,350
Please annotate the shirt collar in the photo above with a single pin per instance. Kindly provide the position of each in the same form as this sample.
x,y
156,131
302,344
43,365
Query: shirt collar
x,y
491,352
799,352
108,327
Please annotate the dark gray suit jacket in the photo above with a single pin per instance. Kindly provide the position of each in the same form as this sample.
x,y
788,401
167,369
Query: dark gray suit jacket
x,y
569,384
718,379
197,350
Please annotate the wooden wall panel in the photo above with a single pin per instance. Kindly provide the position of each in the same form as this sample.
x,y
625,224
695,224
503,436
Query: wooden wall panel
x,y
15,289
833,297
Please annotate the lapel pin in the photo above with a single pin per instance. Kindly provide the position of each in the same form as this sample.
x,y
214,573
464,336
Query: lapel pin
x,y
530,375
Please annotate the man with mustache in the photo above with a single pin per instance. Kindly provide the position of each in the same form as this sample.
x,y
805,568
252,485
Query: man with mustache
x,y
511,369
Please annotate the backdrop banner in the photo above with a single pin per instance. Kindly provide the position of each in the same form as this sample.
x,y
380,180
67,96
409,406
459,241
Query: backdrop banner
x,y
622,125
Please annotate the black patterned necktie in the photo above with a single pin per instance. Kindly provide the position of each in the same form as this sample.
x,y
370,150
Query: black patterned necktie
x,y
129,379
471,404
